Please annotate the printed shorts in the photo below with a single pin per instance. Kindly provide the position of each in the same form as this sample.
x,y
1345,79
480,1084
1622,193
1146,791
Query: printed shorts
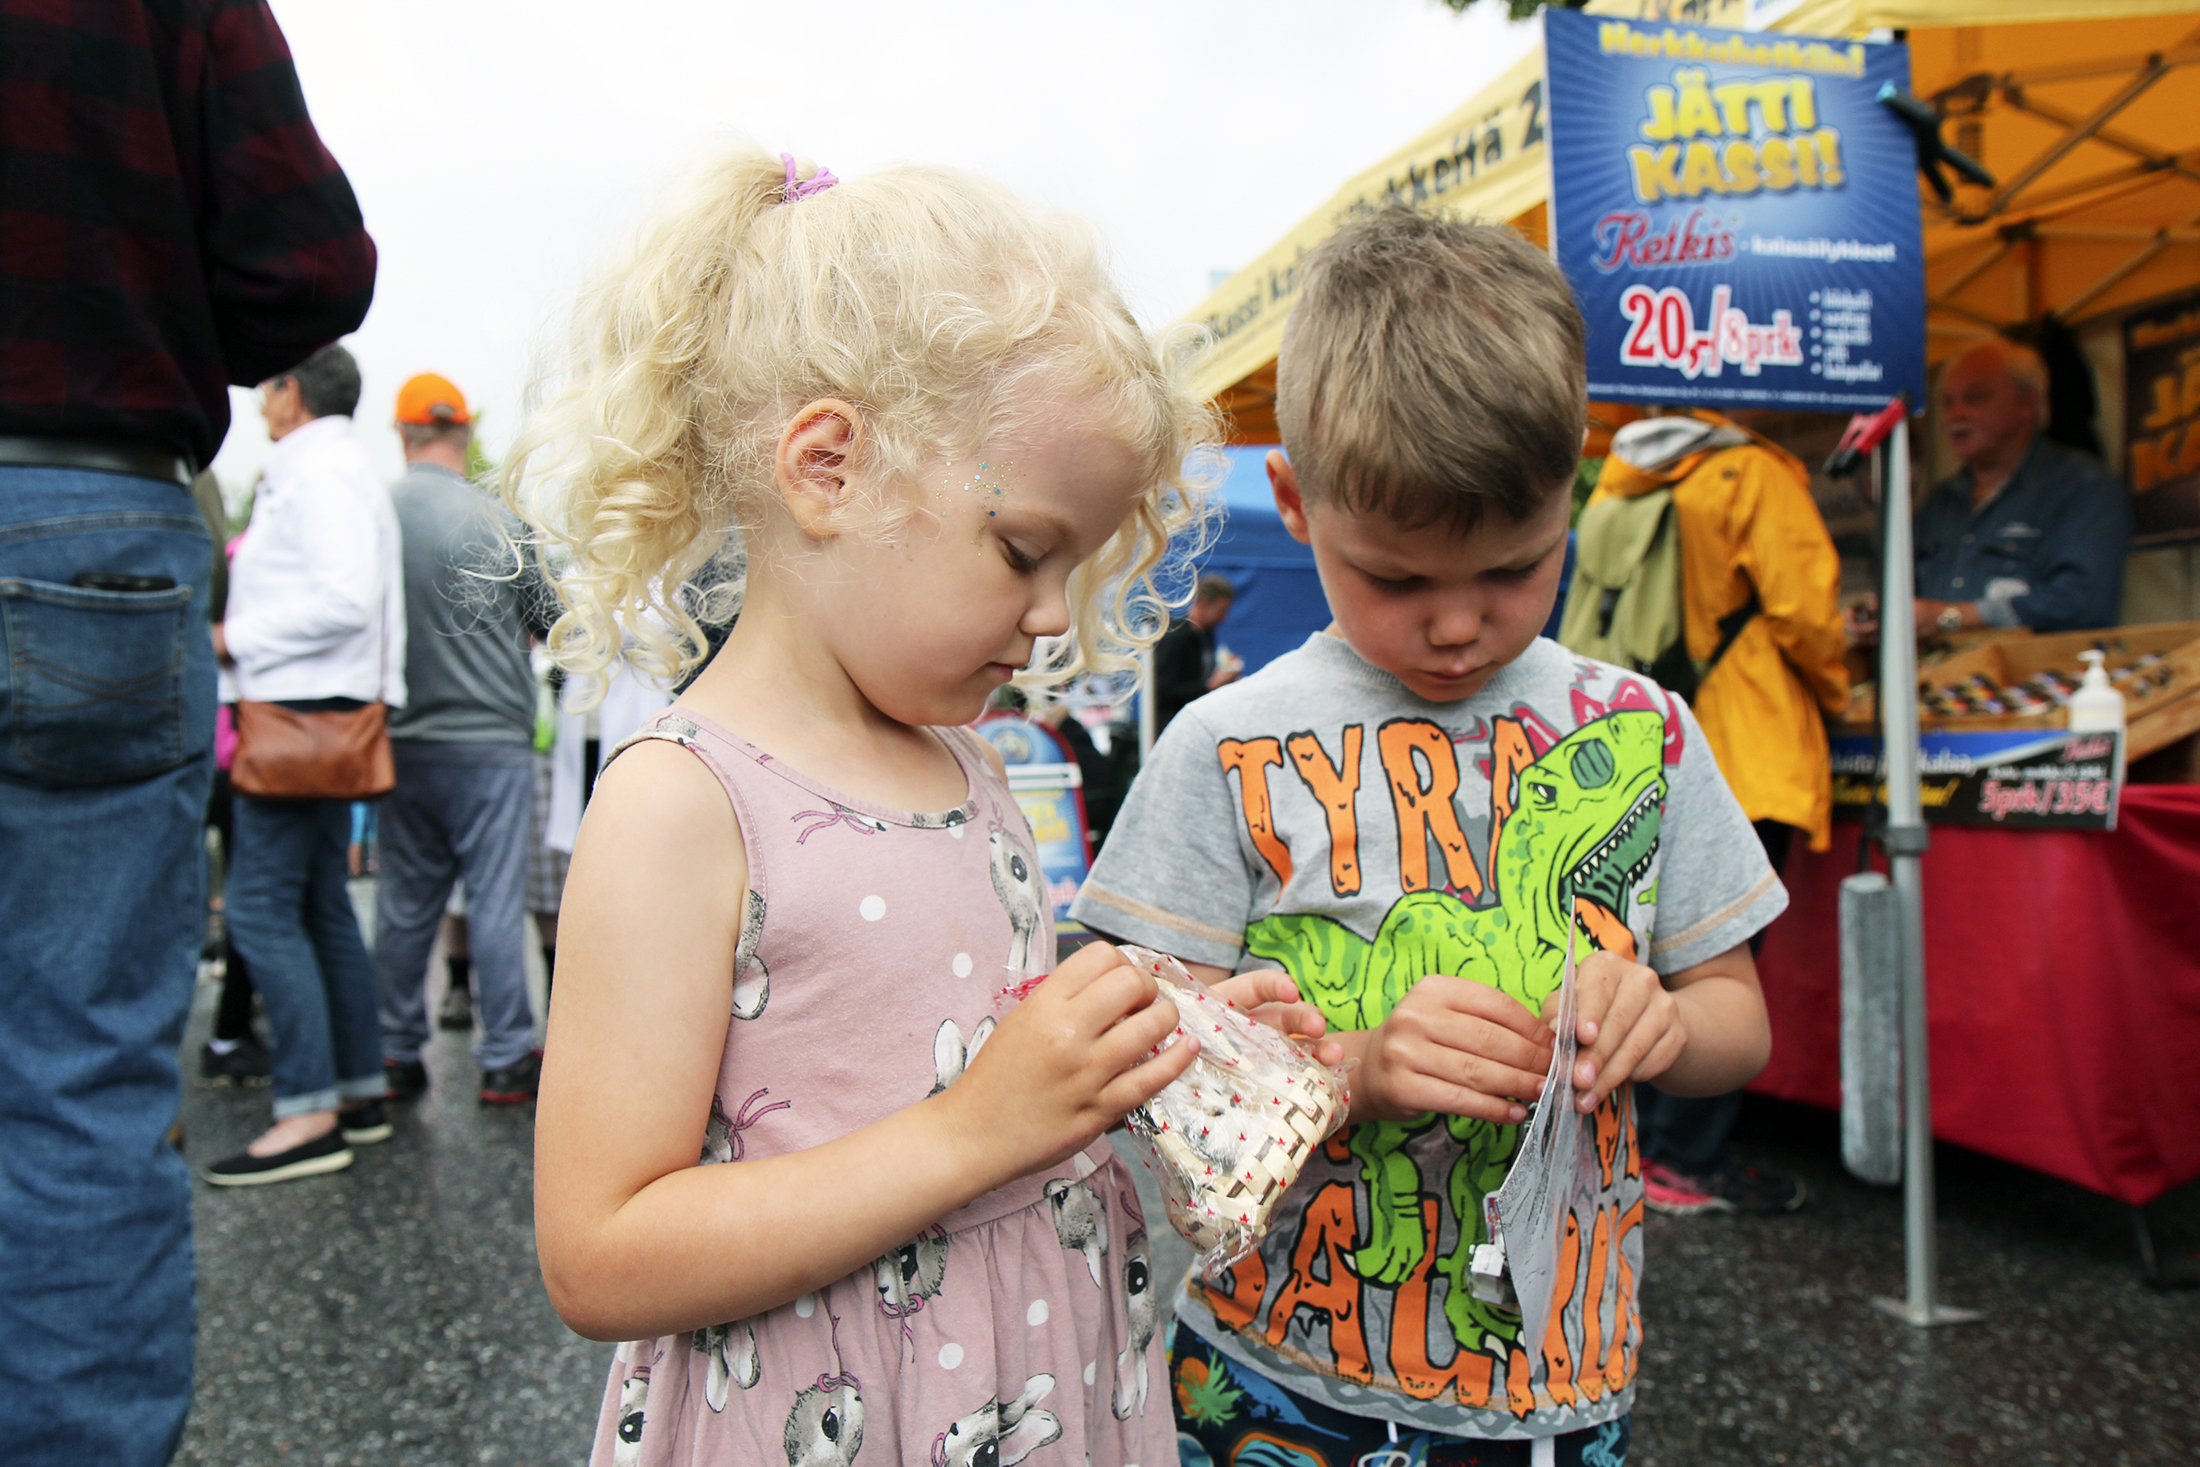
x,y
1226,1416
545,864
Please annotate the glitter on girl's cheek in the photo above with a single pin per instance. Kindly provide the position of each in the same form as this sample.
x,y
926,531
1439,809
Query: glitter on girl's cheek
x,y
990,481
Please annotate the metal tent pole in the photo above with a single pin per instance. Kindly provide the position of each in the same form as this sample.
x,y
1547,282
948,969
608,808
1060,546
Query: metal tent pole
x,y
1905,843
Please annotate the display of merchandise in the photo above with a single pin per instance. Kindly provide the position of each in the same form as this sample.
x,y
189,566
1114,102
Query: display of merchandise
x,y
2047,692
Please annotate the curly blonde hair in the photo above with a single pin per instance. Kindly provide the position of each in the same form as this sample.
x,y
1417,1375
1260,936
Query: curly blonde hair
x,y
948,311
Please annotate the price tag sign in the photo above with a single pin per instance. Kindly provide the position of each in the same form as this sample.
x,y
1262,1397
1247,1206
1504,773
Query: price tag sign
x,y
2007,779
1737,214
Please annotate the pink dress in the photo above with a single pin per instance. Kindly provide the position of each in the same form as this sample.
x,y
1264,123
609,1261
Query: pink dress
x,y
1019,1329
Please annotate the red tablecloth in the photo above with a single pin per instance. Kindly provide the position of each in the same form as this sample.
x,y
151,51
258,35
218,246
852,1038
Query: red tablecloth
x,y
2062,974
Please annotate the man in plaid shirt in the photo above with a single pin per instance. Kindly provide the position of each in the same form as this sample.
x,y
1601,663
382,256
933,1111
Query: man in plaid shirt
x,y
170,224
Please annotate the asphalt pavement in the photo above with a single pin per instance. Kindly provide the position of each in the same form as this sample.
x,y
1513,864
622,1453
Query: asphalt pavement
x,y
392,1313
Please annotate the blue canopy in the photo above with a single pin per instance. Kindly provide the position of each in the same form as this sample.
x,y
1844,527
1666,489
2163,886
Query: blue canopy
x,y
1279,597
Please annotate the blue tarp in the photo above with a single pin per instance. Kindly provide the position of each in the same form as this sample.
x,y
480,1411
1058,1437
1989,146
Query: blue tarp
x,y
1279,597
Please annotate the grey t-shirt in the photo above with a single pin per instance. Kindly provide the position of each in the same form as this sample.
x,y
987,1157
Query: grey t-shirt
x,y
467,617
1321,817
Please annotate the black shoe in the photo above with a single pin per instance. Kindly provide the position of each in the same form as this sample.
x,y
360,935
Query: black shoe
x,y
1753,1189
307,1159
247,1063
515,1084
364,1124
407,1079
458,1009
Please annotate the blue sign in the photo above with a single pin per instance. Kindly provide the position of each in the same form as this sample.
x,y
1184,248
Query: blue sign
x,y
2013,779
1046,785
1737,214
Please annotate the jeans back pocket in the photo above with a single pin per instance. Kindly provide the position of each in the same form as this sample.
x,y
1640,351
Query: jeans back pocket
x,y
94,691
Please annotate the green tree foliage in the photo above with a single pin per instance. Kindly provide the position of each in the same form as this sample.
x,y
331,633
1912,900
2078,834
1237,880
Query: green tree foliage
x,y
1519,9
479,466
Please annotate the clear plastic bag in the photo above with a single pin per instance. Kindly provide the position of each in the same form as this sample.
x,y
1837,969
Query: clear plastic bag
x,y
1232,1133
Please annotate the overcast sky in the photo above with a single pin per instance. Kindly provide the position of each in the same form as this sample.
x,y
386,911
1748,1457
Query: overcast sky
x,y
501,151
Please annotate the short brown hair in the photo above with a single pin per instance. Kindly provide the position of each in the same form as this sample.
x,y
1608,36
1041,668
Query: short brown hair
x,y
421,435
1430,367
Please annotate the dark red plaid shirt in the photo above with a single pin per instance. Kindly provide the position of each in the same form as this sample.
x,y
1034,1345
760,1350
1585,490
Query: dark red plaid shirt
x,y
169,221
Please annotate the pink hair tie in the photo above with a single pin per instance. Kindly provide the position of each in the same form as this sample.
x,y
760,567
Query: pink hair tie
x,y
802,188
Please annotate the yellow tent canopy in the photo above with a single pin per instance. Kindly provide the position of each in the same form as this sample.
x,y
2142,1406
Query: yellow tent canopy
x,y
2084,110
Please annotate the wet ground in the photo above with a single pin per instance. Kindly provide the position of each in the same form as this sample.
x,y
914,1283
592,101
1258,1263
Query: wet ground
x,y
392,1314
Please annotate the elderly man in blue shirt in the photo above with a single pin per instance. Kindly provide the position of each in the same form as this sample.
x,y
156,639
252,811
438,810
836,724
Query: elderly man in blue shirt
x,y
2028,533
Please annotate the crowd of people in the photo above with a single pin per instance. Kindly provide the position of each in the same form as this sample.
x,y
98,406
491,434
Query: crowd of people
x,y
343,595
795,1150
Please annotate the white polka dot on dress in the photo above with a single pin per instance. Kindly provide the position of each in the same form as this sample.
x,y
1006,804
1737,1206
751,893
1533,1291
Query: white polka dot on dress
x,y
872,908
1092,1369
951,1355
1036,1315
961,965
805,1306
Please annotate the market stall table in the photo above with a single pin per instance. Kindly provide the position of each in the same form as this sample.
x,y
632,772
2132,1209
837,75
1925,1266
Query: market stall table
x,y
2063,979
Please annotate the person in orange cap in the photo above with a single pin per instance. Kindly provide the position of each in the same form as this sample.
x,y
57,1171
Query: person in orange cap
x,y
432,400
464,749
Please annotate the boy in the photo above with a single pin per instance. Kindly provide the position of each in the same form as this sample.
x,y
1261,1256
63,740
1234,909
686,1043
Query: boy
x,y
1429,789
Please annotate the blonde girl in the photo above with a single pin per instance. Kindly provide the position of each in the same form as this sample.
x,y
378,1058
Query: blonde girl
x,y
835,1207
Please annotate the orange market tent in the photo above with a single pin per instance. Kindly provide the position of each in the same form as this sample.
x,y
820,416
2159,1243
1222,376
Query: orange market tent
x,y
2086,111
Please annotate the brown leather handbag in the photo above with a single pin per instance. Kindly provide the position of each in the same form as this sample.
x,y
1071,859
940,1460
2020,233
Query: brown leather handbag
x,y
283,754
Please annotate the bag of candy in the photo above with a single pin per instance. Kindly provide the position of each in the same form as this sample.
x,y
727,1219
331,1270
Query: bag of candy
x,y
1230,1134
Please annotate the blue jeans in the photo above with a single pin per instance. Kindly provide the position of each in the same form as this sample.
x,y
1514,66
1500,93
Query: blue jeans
x,y
1689,1132
459,810
290,915
106,733
1686,1132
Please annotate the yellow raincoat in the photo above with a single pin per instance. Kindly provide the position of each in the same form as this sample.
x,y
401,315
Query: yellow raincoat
x,y
1747,519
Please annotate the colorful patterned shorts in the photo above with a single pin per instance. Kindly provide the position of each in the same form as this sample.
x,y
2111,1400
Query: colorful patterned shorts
x,y
1226,1416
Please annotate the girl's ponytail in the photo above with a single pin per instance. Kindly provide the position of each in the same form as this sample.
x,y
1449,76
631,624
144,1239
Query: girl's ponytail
x,y
626,489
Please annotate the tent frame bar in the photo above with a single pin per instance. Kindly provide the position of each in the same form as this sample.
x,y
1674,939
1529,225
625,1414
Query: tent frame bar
x,y
2161,241
1977,93
2115,103
2018,100
2184,53
2118,233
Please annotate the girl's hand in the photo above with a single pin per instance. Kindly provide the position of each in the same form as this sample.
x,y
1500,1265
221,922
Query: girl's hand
x,y
1066,1065
1270,997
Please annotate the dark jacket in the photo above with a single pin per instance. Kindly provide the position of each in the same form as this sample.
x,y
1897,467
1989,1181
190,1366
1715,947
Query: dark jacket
x,y
173,224
1183,660
2047,552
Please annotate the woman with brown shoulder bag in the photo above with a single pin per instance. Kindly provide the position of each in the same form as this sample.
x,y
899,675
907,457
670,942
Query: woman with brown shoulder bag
x,y
314,639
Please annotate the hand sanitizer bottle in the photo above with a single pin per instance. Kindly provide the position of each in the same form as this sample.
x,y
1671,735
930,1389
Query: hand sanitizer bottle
x,y
2096,707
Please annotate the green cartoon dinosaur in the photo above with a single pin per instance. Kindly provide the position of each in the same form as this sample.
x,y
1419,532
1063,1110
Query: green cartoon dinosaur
x,y
1584,825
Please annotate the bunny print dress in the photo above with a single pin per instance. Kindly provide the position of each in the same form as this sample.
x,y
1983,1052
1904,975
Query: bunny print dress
x,y
1019,1329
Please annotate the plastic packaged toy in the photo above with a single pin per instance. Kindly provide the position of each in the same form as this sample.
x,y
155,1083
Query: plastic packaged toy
x,y
1228,1136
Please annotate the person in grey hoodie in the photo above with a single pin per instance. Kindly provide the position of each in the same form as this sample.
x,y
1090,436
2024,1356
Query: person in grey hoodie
x,y
464,750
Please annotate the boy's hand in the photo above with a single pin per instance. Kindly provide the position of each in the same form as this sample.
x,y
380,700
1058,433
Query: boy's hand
x,y
1270,997
1453,1046
1630,1023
